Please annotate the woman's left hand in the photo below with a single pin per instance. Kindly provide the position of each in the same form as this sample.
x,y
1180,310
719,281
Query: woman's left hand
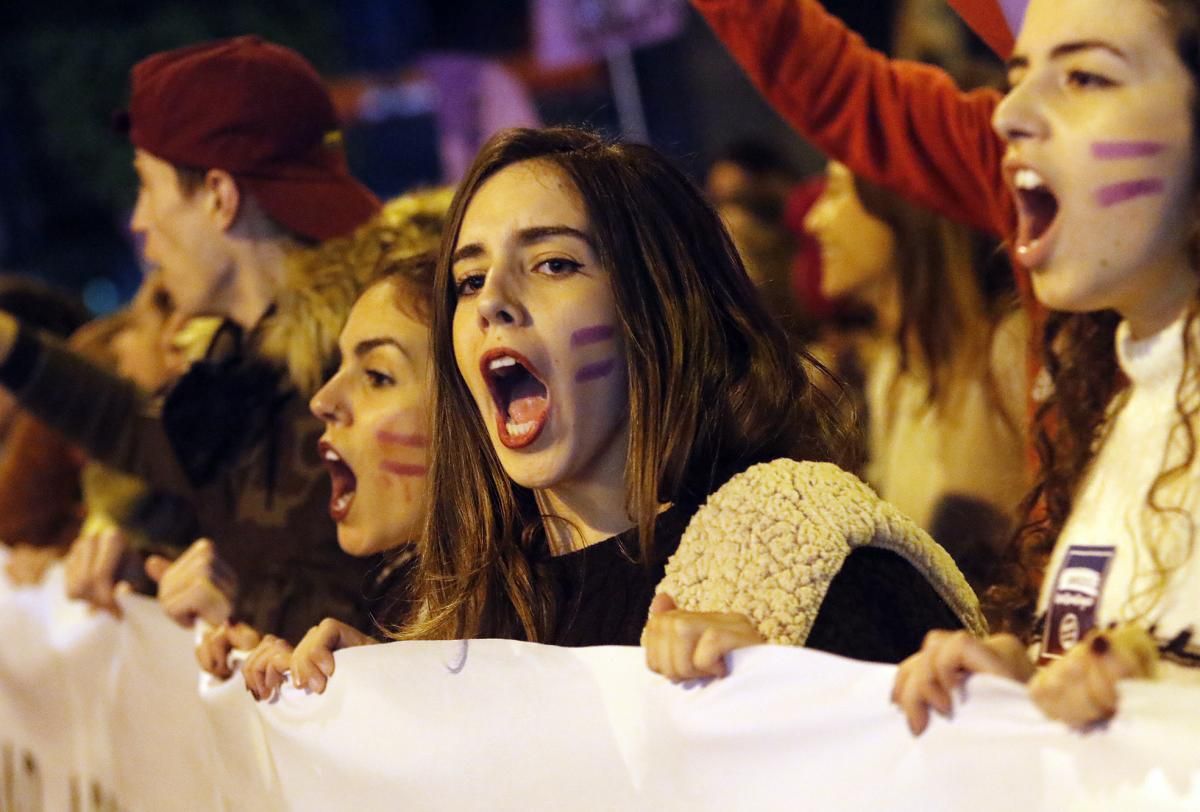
x,y
266,666
312,663
1081,688
684,645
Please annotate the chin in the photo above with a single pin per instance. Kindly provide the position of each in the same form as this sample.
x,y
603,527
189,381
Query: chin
x,y
1053,290
528,471
355,542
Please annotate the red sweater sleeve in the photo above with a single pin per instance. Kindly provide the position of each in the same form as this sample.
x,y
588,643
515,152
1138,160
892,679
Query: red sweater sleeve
x,y
903,125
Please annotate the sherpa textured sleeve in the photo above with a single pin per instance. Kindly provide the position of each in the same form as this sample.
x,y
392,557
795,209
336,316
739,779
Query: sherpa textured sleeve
x,y
903,125
105,415
769,543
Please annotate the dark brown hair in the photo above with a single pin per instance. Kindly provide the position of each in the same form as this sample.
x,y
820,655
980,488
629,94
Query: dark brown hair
x,y
1085,384
714,385
946,320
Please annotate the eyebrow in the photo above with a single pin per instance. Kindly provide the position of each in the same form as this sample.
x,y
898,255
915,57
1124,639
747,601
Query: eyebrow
x,y
526,236
366,345
1069,48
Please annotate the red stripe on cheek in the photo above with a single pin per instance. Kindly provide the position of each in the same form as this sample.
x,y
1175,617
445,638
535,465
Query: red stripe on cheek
x,y
403,469
407,440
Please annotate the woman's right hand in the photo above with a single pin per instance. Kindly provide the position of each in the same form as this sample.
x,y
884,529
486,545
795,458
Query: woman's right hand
x,y
197,585
92,565
312,661
928,678
264,669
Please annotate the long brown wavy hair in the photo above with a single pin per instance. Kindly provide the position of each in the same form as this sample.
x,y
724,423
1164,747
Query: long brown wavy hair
x,y
1084,394
947,318
714,385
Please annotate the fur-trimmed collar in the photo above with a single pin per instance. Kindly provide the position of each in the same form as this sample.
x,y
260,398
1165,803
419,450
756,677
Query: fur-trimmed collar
x,y
321,284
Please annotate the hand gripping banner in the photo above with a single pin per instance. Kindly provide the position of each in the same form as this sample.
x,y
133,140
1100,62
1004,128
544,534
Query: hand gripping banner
x,y
99,715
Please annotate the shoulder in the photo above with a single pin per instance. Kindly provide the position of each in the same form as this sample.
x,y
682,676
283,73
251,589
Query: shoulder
x,y
768,543
814,496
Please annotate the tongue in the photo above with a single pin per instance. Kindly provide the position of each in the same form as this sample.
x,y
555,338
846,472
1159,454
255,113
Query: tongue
x,y
527,401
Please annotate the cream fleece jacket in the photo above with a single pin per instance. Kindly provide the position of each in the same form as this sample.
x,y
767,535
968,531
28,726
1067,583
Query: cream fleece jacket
x,y
768,543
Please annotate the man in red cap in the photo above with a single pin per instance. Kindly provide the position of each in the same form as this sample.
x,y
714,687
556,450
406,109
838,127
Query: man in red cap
x,y
241,169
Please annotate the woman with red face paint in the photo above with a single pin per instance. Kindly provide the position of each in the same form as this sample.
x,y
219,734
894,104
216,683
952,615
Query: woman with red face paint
x,y
375,444
1101,127
608,383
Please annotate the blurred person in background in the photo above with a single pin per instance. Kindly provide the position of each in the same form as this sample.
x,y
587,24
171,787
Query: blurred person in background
x,y
945,377
750,184
43,308
41,498
241,164
127,519
39,470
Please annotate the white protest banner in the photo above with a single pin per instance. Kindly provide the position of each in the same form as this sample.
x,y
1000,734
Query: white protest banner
x,y
110,715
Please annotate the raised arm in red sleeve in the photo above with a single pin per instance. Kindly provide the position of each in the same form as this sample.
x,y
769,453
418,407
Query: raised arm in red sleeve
x,y
903,125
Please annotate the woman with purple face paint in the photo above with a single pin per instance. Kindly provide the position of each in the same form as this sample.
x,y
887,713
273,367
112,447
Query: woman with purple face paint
x,y
607,383
1101,132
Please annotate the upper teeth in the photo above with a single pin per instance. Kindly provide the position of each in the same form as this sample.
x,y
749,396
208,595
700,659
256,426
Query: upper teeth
x,y
1028,179
502,362
332,455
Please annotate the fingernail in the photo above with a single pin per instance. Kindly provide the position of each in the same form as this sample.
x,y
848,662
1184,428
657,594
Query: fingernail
x,y
314,685
1100,645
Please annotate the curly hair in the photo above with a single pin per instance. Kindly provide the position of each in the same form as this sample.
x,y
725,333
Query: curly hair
x,y
324,281
1086,393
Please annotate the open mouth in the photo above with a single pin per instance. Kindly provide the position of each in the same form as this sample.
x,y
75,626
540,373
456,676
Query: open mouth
x,y
341,475
1037,214
521,397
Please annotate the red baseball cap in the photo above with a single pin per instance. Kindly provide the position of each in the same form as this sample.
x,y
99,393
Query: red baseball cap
x,y
260,112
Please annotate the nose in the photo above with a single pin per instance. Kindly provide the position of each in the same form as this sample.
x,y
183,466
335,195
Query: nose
x,y
815,220
1019,116
137,223
499,303
329,405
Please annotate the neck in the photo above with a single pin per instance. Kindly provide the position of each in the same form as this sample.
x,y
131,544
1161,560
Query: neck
x,y
1163,294
883,296
259,277
592,508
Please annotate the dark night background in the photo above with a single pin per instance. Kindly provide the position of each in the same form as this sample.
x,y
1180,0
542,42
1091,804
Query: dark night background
x,y
66,184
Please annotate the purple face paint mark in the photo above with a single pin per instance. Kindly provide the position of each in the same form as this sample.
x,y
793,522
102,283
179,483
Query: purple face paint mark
x,y
403,469
1117,150
1116,193
394,438
590,335
591,372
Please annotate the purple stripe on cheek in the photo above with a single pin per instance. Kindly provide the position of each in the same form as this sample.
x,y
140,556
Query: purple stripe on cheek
x,y
1120,192
393,438
402,469
1116,150
590,335
600,369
